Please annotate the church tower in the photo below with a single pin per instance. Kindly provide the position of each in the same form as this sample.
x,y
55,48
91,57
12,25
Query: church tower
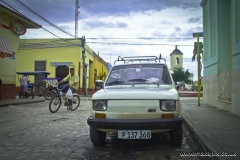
x,y
176,59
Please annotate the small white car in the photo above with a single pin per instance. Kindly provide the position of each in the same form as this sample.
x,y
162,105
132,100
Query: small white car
x,y
138,99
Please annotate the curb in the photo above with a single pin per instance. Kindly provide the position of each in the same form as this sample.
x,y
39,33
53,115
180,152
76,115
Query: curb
x,y
17,103
202,139
85,95
182,94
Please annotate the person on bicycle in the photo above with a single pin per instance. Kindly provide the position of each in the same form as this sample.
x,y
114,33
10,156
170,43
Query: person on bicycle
x,y
73,79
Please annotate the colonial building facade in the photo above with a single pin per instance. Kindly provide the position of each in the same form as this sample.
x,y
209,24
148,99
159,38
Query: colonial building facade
x,y
221,32
12,26
57,56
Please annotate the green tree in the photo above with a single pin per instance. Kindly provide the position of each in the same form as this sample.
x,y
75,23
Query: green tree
x,y
195,53
181,76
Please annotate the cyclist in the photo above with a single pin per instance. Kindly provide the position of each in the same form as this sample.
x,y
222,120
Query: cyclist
x,y
73,79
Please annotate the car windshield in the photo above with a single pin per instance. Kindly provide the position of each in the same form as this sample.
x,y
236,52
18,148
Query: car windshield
x,y
139,74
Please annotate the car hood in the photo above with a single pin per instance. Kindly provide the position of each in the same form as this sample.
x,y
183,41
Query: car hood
x,y
136,93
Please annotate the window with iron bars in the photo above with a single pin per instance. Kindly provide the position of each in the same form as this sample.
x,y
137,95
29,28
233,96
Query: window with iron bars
x,y
39,66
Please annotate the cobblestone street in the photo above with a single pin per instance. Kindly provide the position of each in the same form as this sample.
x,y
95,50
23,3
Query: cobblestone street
x,y
31,132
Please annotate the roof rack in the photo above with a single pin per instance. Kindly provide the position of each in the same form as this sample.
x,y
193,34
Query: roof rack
x,y
140,59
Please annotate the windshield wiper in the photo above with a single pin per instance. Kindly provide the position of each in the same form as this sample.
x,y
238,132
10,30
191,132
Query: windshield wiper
x,y
154,83
115,82
138,79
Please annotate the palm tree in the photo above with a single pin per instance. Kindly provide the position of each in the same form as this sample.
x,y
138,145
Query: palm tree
x,y
195,53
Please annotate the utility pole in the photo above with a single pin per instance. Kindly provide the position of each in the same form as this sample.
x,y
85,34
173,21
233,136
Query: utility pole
x,y
76,19
200,34
83,40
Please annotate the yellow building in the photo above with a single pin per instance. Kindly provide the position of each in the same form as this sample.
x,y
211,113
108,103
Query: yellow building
x,y
57,56
12,25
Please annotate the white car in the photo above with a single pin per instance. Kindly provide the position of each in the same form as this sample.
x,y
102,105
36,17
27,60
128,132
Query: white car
x,y
138,99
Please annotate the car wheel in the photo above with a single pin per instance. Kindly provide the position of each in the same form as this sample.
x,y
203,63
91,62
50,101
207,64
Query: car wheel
x,y
97,137
176,137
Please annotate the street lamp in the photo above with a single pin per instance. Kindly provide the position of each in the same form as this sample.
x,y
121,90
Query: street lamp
x,y
199,34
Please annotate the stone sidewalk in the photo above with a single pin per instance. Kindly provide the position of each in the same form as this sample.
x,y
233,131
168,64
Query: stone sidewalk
x,y
7,102
213,130
16,101
189,94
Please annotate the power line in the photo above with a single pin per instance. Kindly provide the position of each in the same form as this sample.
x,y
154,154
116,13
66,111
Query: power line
x,y
56,36
95,38
158,44
42,27
47,42
45,47
44,19
145,38
14,9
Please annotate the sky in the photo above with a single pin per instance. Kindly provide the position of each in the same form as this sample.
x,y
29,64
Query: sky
x,y
115,28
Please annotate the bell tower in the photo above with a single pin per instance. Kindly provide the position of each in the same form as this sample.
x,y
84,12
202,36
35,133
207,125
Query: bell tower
x,y
176,59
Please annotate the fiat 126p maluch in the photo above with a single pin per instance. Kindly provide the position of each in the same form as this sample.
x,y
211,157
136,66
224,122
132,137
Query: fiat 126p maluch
x,y
138,99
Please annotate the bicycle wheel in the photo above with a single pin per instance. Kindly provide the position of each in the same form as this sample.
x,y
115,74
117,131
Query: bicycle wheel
x,y
55,104
75,102
48,95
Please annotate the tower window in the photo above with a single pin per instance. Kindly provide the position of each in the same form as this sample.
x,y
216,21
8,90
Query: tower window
x,y
177,60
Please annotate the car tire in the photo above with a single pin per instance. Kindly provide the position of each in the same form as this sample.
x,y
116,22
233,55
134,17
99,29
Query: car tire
x,y
176,137
97,137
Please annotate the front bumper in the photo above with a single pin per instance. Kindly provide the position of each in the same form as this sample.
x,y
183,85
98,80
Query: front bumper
x,y
135,124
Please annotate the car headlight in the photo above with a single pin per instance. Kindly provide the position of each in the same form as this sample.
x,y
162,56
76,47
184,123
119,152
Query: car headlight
x,y
100,105
168,105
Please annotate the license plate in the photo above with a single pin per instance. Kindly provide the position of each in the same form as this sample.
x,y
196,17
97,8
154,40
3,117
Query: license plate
x,y
134,134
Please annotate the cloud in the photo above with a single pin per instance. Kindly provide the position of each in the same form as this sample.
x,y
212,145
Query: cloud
x,y
163,22
178,29
158,34
110,7
193,20
166,22
187,60
101,24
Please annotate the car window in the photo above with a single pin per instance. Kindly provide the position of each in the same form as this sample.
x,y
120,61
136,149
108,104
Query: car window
x,y
139,74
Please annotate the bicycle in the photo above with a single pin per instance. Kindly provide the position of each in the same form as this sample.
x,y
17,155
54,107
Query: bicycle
x,y
39,90
36,89
56,101
49,93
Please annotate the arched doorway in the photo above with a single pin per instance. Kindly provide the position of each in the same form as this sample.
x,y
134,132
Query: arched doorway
x,y
62,71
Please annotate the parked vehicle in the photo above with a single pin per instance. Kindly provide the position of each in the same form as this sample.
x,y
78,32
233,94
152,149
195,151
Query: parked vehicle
x,y
138,99
36,89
